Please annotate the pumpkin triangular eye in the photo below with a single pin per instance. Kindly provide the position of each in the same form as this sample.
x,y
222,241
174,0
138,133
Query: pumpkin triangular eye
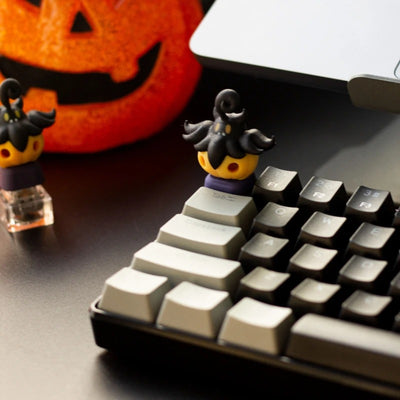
x,y
80,24
36,3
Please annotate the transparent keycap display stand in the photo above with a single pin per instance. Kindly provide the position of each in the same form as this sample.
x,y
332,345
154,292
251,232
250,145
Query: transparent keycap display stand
x,y
26,208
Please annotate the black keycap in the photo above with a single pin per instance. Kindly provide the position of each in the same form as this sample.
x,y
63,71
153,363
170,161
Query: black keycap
x,y
277,185
396,324
265,251
315,297
374,241
394,289
364,273
370,205
277,220
325,195
314,262
368,308
396,219
324,230
266,285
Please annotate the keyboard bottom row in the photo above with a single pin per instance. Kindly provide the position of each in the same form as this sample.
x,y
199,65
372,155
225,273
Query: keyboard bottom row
x,y
126,335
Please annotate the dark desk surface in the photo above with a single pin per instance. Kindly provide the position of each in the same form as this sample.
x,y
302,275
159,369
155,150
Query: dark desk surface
x,y
108,205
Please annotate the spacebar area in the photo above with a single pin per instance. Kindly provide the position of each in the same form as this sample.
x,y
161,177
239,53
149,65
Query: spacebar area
x,y
346,346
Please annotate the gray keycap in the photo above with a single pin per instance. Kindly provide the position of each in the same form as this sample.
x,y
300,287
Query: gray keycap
x,y
257,326
202,237
222,208
346,346
194,309
134,294
182,265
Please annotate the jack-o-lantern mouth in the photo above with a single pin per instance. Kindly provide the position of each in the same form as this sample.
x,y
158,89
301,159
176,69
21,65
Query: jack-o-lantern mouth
x,y
93,87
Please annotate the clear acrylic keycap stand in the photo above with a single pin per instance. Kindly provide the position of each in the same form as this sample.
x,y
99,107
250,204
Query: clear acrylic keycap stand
x,y
26,208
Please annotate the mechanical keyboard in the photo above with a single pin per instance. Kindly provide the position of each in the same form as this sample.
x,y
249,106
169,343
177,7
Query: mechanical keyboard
x,y
305,279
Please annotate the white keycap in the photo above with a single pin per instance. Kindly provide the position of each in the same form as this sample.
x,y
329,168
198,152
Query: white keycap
x,y
194,309
257,326
134,294
202,237
182,265
222,208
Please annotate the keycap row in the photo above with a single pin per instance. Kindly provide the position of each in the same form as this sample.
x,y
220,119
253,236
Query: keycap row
x,y
327,231
193,309
140,295
276,288
250,324
328,196
324,264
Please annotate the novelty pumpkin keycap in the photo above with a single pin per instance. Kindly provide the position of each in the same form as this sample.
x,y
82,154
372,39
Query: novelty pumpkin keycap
x,y
24,203
226,149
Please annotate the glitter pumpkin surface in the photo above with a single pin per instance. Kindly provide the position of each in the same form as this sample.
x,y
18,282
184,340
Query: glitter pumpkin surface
x,y
115,70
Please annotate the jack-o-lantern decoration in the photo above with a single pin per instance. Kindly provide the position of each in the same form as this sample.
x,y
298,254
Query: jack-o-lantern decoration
x,y
115,70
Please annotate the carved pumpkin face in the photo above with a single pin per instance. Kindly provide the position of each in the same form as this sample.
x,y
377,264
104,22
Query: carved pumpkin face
x,y
115,70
